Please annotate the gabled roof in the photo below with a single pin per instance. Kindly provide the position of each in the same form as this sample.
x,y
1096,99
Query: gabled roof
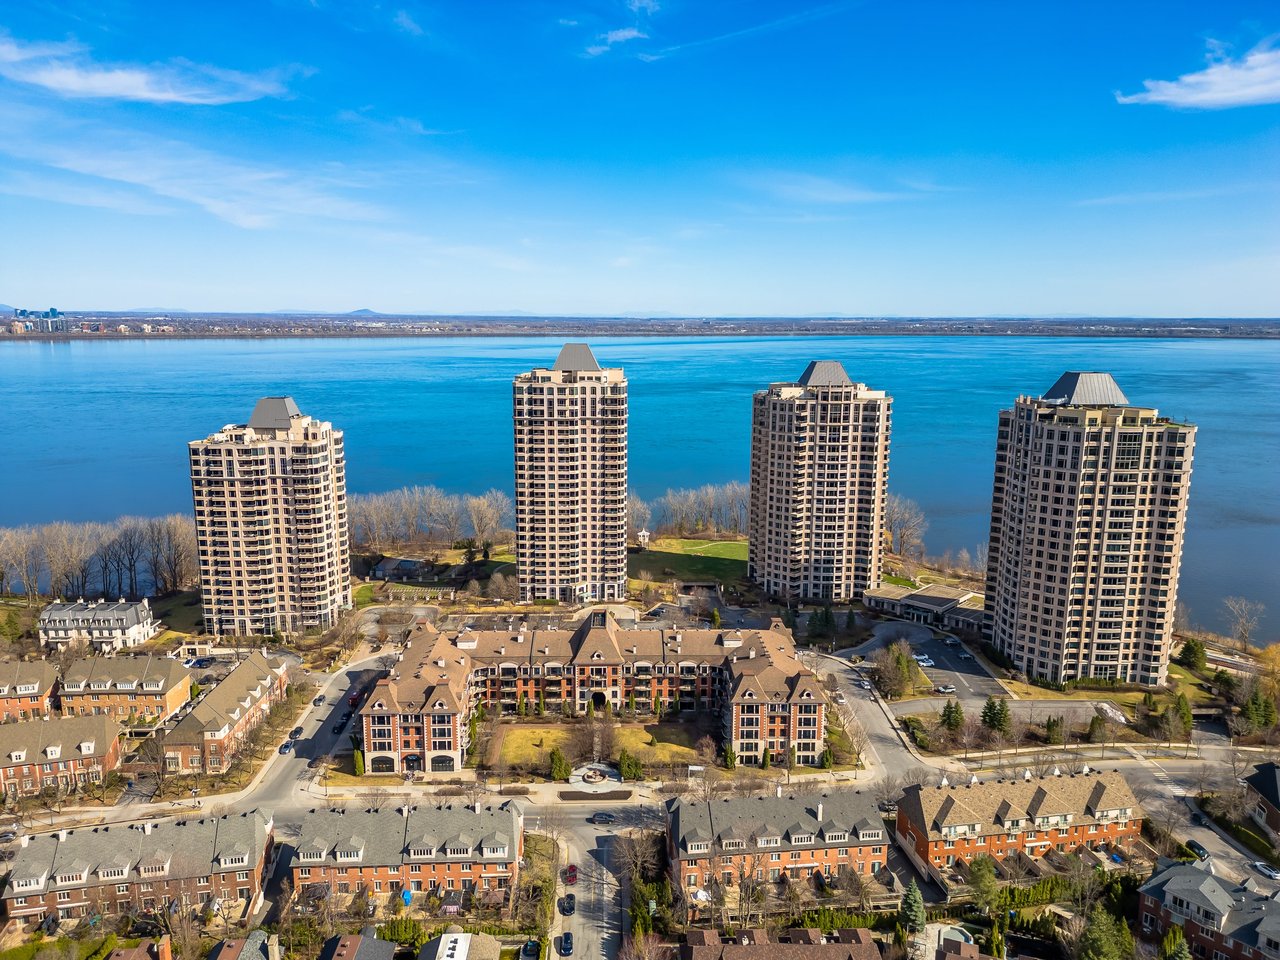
x,y
274,413
782,817
576,356
1086,389
824,373
254,673
1265,780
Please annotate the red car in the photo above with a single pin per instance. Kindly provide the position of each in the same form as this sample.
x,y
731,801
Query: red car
x,y
571,874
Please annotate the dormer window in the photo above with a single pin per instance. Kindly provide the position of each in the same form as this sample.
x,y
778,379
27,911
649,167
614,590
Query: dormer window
x,y
27,688
840,837
351,853
769,841
311,855
457,851
154,869
800,838
71,877
733,844
494,852
699,846
153,685
597,655
18,756
234,860
86,746
111,873
422,853
53,751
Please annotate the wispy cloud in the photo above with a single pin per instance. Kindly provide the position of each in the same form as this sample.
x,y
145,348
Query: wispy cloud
x,y
60,190
392,125
781,23
566,22
643,6
614,37
404,20
1175,196
68,70
810,189
1248,81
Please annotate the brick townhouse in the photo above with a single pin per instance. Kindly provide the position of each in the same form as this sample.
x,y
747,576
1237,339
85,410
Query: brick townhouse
x,y
940,826
62,754
212,863
427,849
133,690
774,838
1262,786
99,626
1220,920
207,738
26,689
795,944
416,717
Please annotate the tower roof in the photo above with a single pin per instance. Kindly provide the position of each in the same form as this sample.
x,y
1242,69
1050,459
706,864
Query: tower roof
x,y
1086,389
576,356
824,373
274,413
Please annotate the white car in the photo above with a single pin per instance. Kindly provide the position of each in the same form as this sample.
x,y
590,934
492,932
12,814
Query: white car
x,y
1266,869
865,684
840,698
919,657
926,662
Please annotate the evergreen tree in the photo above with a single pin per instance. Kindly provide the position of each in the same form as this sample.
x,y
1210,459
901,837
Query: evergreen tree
x,y
730,758
1172,937
911,914
766,759
989,714
851,622
1053,730
1193,655
828,759
986,888
522,706
631,704
1004,720
1097,729
560,766
1104,938
542,703
1181,951
953,716
591,709
11,628
995,944
1183,708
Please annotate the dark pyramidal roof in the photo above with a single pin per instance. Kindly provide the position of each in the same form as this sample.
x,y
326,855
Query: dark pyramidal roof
x,y
1081,388
274,413
824,373
576,356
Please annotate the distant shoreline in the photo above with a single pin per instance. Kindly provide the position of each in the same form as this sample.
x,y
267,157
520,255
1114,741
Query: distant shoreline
x,y
275,326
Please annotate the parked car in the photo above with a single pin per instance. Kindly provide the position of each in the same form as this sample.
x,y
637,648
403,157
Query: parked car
x,y
339,727
566,944
571,874
295,733
286,747
1198,819
569,904
531,948
1198,849
840,698
966,656
1266,869
926,662
188,663
318,701
8,836
314,762
602,818
945,688
951,642
865,684
346,715
919,657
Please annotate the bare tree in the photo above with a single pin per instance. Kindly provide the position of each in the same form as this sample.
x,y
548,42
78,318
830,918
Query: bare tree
x,y
1244,616
708,785
488,512
374,798
637,854
906,525
26,561
639,514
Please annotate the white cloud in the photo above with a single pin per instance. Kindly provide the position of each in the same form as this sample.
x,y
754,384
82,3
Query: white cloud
x,y
621,35
67,70
1174,196
1249,81
566,22
806,188
405,22
643,6
410,125
79,194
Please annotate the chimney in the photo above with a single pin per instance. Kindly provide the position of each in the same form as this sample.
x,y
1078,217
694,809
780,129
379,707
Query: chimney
x,y
751,654
62,834
819,811
23,840
162,949
778,788
146,827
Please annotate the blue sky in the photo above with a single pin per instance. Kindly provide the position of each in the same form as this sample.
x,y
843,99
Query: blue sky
x,y
642,156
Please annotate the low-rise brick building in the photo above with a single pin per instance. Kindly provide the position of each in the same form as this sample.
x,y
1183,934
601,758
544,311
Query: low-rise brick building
x,y
63,754
212,863
133,690
419,849
416,717
774,838
26,689
796,944
207,739
1263,789
1220,920
940,826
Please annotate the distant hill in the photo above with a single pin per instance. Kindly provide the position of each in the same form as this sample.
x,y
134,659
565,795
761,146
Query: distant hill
x,y
364,312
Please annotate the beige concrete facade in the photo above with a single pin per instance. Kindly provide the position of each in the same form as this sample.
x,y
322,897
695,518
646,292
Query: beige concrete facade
x,y
271,522
571,479
1088,512
819,479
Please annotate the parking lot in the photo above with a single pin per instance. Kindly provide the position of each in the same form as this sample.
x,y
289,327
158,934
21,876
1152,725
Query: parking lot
x,y
951,668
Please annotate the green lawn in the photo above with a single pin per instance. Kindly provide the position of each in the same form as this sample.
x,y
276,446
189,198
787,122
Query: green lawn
x,y
528,746
363,595
673,742
180,611
899,581
666,559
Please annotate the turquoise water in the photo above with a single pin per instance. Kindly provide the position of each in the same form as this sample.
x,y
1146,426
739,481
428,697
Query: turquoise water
x,y
96,430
